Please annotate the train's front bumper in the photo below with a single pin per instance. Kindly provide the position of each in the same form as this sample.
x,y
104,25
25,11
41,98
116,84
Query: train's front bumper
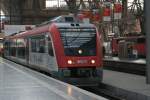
x,y
83,81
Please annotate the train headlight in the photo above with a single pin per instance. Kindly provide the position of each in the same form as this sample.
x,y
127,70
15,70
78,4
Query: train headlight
x,y
80,51
69,61
93,61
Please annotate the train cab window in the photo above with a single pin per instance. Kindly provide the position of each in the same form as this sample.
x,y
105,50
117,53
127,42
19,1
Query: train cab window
x,y
50,47
79,42
38,44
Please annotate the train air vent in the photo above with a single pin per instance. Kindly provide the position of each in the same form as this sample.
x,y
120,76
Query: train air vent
x,y
77,25
69,19
72,24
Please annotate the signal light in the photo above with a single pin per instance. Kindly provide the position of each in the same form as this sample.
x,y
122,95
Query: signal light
x,y
80,51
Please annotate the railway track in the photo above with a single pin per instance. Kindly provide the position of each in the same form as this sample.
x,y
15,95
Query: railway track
x,y
127,67
103,91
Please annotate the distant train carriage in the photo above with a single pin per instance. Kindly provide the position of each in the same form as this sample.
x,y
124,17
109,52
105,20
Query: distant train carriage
x,y
129,47
65,48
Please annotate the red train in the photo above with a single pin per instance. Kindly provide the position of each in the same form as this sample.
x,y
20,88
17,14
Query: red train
x,y
63,47
129,47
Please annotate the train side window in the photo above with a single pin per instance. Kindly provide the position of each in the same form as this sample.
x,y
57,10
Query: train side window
x,y
33,45
21,48
38,44
50,47
6,47
42,45
13,48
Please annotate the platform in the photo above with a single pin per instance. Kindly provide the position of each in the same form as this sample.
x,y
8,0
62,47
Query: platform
x,y
129,86
136,61
20,83
134,66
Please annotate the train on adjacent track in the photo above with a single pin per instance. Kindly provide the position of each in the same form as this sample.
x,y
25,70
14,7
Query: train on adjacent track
x,y
129,47
64,47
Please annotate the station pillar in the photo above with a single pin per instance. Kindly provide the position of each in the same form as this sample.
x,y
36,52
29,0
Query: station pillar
x,y
147,30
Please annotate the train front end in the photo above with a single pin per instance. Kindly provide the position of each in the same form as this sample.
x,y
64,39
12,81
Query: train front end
x,y
78,53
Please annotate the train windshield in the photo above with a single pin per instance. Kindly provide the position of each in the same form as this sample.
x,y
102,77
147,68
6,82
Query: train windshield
x,y
79,42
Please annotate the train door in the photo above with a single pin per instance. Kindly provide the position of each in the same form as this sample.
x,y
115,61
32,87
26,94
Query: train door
x,y
41,52
51,61
125,49
27,50
6,48
122,51
37,54
20,50
130,49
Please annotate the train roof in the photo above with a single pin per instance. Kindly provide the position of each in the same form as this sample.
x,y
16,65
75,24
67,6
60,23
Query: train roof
x,y
60,22
73,25
60,19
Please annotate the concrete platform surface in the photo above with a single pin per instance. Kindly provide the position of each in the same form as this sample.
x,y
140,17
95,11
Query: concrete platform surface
x,y
20,83
130,84
137,61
